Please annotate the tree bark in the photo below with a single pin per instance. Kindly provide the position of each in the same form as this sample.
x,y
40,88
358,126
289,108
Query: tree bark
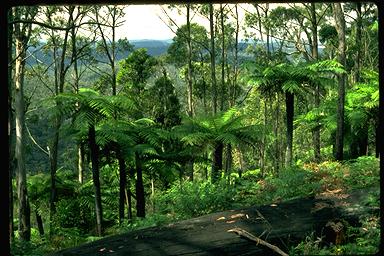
x,y
222,58
122,184
340,28
359,26
94,151
213,60
217,164
189,51
289,104
315,56
39,221
22,35
140,197
11,135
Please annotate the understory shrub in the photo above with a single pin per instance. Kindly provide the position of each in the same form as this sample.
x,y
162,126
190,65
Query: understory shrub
x,y
191,199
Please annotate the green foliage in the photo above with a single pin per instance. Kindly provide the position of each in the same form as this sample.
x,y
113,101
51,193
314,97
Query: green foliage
x,y
177,51
362,241
135,70
191,199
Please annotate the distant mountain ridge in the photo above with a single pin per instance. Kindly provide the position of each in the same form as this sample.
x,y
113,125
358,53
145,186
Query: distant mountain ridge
x,y
154,47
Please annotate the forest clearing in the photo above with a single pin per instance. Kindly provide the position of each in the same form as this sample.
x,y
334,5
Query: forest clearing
x,y
253,130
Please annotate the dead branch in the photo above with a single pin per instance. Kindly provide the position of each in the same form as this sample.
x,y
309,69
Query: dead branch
x,y
246,234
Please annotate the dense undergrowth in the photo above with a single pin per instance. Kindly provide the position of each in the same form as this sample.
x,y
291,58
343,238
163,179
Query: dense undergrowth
x,y
190,199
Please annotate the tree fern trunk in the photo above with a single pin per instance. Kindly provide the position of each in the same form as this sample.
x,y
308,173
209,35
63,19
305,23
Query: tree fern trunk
x,y
289,104
39,222
217,164
122,184
140,197
96,178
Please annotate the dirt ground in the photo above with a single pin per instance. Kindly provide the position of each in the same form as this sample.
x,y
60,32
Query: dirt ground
x,y
281,224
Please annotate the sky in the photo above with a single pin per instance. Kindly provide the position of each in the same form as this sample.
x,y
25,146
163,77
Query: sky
x,y
143,22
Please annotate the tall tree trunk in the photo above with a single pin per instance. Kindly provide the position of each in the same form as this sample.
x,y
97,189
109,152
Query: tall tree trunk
x,y
276,133
60,72
189,54
340,28
358,41
140,197
217,163
189,164
315,56
21,38
94,151
213,60
122,183
289,104
222,87
232,96
11,135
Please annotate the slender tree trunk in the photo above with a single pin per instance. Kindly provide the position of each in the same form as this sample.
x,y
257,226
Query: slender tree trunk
x,y
276,133
11,135
315,56
53,167
228,159
213,60
60,72
222,96
122,184
81,162
289,104
129,193
94,150
128,196
21,175
263,145
217,164
340,28
358,42
378,137
140,197
189,51
39,222
232,97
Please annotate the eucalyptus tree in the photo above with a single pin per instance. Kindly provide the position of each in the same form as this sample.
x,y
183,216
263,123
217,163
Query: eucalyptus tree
x,y
107,20
58,27
341,30
212,133
133,75
22,33
178,54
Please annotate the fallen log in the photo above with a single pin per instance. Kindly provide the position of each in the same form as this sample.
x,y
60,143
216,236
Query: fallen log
x,y
282,225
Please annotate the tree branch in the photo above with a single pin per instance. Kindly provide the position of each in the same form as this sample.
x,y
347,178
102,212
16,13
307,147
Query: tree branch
x,y
246,234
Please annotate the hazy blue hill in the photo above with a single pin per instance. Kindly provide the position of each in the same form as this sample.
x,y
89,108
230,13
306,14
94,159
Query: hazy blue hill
x,y
155,47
